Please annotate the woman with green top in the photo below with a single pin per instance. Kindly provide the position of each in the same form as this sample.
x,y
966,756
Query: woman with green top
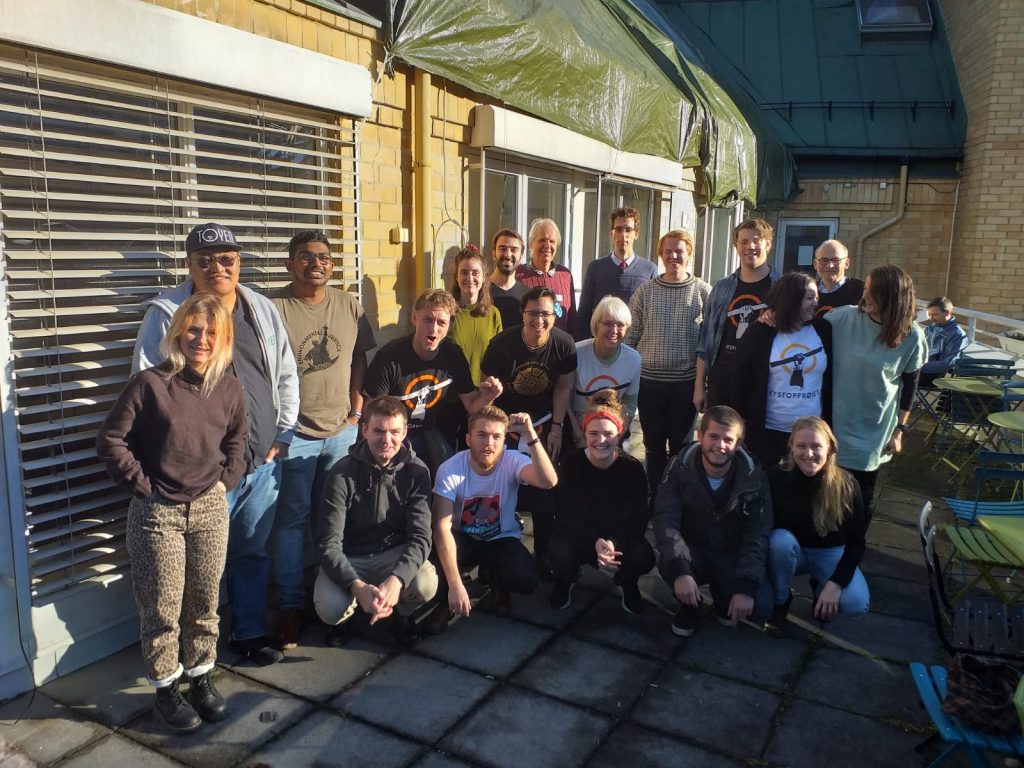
x,y
478,320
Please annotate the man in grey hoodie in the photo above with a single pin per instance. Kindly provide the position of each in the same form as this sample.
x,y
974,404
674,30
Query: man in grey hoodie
x,y
263,362
373,535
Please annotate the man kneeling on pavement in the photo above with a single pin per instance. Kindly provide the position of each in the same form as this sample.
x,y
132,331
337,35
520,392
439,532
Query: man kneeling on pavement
x,y
712,519
373,536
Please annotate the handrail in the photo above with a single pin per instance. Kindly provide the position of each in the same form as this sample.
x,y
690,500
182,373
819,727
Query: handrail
x,y
973,317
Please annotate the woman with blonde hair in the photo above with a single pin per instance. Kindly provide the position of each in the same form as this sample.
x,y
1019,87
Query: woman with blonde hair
x,y
601,512
176,439
820,526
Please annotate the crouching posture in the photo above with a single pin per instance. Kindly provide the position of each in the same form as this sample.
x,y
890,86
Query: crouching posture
x,y
712,517
373,536
820,526
475,524
176,438
602,509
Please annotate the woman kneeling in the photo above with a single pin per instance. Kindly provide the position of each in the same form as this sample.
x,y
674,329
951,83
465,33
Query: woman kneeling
x,y
176,438
820,526
602,509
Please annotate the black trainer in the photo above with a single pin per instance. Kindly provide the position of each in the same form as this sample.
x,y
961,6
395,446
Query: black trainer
x,y
405,631
436,622
172,710
778,624
632,600
684,623
206,699
561,594
258,650
338,635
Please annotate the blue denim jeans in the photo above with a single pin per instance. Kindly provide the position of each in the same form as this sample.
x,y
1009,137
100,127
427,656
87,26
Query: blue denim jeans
x,y
302,477
251,518
786,559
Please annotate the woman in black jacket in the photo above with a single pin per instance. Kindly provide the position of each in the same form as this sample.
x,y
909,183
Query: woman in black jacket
x,y
783,371
820,525
602,509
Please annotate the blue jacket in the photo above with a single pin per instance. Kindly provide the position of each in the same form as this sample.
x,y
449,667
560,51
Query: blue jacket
x,y
714,316
946,342
277,352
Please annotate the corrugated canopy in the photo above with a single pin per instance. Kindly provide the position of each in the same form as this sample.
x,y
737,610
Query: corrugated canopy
x,y
597,67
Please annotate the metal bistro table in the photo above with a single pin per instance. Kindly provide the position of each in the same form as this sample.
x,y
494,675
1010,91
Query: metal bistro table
x,y
976,395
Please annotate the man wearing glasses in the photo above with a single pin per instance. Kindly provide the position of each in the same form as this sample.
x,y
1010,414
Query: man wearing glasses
x,y
536,364
330,336
621,272
262,360
835,289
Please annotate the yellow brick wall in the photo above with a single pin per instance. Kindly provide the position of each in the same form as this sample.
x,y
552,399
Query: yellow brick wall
x,y
987,41
918,242
386,155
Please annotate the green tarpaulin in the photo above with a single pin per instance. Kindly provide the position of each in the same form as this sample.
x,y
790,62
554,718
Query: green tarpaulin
x,y
598,67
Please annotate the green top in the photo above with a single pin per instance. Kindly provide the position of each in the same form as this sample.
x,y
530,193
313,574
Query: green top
x,y
473,334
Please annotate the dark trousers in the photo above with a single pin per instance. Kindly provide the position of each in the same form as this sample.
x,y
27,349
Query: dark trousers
x,y
540,503
866,480
666,413
768,446
509,564
566,557
718,570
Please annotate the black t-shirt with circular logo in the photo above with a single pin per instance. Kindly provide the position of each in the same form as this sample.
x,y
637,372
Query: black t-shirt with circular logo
x,y
527,375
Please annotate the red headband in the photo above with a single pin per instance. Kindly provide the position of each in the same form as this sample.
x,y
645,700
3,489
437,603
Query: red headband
x,y
589,417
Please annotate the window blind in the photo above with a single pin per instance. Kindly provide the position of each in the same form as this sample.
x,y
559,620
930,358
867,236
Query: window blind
x,y
102,174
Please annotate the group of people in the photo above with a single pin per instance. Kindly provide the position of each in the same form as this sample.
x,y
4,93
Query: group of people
x,y
253,423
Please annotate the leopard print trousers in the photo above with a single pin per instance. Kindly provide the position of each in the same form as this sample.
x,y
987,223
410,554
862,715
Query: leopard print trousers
x,y
177,554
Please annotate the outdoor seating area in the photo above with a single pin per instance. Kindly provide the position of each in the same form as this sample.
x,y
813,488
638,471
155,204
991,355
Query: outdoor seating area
x,y
590,685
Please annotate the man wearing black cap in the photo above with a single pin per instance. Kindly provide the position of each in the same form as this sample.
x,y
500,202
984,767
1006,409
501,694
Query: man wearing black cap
x,y
263,361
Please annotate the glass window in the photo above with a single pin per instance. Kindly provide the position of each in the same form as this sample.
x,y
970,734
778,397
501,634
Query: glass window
x,y
546,200
797,239
894,15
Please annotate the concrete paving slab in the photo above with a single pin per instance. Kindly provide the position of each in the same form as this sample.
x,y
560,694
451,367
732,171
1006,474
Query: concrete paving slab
x,y
315,671
639,748
114,690
646,633
896,597
439,760
45,730
884,534
589,675
419,697
894,563
486,643
731,718
118,751
517,728
257,714
857,683
746,654
325,739
810,734
888,637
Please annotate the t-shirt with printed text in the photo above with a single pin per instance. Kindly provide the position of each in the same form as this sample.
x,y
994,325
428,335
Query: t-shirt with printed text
x,y
485,505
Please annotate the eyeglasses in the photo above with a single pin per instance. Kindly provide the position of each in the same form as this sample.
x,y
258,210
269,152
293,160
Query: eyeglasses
x,y
308,257
831,262
620,230
536,314
226,260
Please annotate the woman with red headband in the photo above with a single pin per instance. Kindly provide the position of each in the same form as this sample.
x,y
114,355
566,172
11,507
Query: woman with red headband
x,y
601,514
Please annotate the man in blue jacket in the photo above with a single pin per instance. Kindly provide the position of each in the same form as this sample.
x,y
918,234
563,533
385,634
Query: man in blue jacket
x,y
263,362
946,341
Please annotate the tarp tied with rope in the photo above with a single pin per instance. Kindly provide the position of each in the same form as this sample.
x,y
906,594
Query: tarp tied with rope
x,y
598,67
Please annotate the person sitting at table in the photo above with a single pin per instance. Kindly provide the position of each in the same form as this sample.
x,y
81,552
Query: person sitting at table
x,y
946,341
819,527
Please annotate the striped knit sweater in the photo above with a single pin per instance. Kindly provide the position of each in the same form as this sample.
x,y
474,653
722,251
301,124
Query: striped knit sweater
x,y
666,324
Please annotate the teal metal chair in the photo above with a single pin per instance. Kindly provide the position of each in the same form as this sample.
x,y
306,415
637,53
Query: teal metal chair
x,y
960,737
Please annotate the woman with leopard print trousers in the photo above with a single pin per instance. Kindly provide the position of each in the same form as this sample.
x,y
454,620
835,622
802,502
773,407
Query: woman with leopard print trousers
x,y
176,438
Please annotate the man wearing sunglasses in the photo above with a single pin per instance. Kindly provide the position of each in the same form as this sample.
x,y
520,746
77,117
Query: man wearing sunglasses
x,y
263,362
330,336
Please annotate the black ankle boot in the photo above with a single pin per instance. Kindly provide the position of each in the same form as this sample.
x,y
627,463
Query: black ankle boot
x,y
205,698
172,710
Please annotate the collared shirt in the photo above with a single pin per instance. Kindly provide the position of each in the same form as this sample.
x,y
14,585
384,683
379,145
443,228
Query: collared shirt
x,y
836,287
623,263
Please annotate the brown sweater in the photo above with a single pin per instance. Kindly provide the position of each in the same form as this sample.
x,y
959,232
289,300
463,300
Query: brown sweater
x,y
162,435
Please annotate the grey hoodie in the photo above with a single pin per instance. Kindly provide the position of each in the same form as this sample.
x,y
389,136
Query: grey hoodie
x,y
277,352
367,509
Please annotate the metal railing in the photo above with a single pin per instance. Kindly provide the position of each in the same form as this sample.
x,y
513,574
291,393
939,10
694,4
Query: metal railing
x,y
987,330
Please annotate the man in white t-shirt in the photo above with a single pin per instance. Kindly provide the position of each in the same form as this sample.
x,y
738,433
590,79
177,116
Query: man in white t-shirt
x,y
475,494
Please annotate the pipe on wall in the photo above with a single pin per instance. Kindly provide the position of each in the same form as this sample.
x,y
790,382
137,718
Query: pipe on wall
x,y
424,263
901,211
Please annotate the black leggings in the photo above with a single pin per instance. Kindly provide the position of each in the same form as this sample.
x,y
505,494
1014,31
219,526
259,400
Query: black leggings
x,y
666,414
866,480
566,557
